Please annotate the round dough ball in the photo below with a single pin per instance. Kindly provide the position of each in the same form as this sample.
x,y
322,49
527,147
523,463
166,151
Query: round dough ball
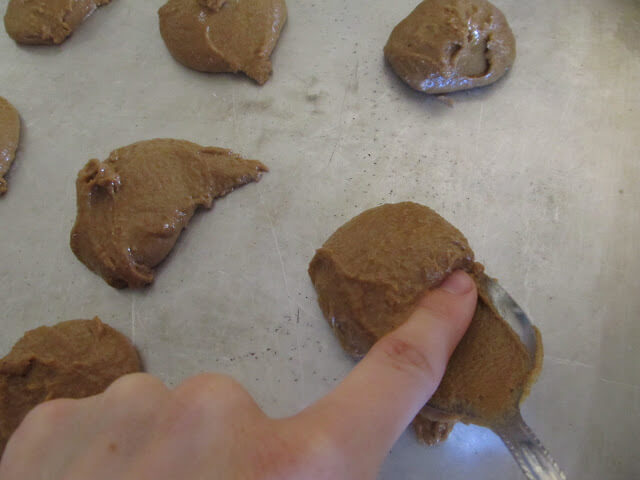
x,y
73,359
369,276
450,45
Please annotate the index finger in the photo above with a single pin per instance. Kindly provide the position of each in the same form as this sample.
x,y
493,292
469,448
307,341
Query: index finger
x,y
373,405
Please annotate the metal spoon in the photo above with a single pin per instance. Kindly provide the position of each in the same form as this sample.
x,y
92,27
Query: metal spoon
x,y
532,457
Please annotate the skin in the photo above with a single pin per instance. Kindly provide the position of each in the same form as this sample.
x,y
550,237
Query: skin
x,y
209,427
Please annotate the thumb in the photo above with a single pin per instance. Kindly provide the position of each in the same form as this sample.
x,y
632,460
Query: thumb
x,y
370,409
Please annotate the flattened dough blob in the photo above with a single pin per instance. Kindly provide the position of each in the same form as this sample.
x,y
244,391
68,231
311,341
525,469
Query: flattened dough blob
x,y
73,359
450,45
223,35
369,275
46,22
9,139
133,206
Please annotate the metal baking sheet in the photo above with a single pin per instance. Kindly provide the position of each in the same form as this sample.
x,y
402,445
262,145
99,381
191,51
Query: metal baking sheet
x,y
540,171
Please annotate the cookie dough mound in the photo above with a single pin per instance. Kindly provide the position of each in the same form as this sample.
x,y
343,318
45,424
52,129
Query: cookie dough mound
x,y
224,35
133,206
369,275
9,138
46,22
450,45
73,359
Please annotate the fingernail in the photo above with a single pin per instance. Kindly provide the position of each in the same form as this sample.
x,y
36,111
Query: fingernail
x,y
458,283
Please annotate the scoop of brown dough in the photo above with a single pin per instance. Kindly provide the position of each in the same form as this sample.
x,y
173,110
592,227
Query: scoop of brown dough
x,y
450,45
369,275
73,359
46,22
133,206
224,35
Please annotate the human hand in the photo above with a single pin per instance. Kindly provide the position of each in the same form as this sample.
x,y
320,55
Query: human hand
x,y
209,427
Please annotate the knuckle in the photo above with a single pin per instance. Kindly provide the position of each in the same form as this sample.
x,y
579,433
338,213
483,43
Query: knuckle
x,y
208,399
135,396
136,386
405,356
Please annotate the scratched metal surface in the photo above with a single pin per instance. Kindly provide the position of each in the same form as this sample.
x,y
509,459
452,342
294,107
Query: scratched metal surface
x,y
540,171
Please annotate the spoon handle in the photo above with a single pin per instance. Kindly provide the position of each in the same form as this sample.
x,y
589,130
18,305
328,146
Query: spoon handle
x,y
529,453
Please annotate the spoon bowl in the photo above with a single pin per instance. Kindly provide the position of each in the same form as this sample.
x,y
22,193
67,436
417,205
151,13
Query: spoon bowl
x,y
532,457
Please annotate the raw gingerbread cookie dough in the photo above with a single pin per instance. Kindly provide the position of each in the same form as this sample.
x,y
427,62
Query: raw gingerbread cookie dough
x,y
369,275
133,206
9,138
224,35
46,22
449,45
73,359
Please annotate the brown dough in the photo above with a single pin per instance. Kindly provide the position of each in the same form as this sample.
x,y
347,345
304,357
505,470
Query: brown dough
x,y
133,206
73,359
449,45
9,138
224,35
46,22
369,275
